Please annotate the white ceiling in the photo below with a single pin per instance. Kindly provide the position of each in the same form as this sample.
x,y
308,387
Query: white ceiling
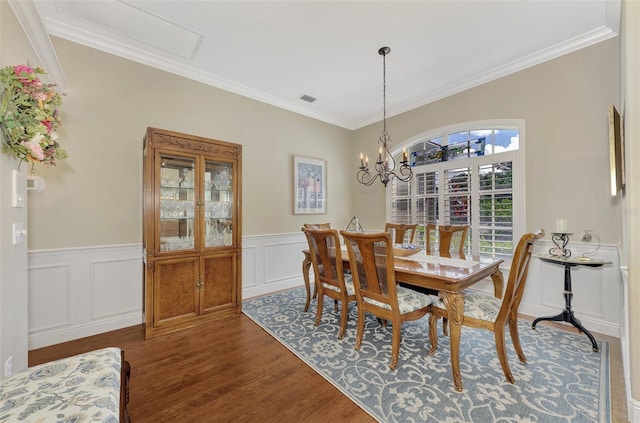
x,y
277,51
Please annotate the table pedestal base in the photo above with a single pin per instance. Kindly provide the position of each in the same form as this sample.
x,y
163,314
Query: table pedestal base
x,y
567,313
567,316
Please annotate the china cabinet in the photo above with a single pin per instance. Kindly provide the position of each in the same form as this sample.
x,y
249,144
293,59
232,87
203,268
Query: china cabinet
x,y
191,230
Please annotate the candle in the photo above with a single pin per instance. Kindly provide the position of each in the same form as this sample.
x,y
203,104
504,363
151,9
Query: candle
x,y
404,154
361,159
366,161
561,226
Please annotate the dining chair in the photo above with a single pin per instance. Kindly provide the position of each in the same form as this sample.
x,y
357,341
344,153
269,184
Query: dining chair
x,y
305,264
401,231
448,236
326,257
484,311
372,266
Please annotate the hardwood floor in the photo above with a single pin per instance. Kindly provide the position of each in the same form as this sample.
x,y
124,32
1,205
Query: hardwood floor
x,y
232,370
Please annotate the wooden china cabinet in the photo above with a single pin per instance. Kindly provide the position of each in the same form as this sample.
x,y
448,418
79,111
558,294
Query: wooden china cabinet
x,y
192,230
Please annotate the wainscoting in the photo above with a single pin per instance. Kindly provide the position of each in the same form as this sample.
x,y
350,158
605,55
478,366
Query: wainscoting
x,y
80,292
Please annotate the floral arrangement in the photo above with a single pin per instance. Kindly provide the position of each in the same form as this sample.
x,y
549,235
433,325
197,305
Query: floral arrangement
x,y
29,115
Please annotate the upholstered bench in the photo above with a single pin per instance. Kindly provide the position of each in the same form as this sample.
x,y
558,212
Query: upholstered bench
x,y
87,387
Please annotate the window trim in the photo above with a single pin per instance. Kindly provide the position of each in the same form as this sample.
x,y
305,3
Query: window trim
x,y
518,175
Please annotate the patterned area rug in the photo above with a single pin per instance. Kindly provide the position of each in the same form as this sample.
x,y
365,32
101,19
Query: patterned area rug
x,y
562,381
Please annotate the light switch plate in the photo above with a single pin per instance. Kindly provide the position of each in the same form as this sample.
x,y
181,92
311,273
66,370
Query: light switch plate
x,y
19,189
19,233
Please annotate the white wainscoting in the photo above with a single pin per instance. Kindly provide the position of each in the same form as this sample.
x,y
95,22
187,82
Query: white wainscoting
x,y
80,292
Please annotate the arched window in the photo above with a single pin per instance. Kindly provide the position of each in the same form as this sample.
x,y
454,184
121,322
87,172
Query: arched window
x,y
467,174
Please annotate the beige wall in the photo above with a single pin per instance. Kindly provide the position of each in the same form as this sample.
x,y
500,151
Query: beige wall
x,y
14,50
631,223
94,196
564,105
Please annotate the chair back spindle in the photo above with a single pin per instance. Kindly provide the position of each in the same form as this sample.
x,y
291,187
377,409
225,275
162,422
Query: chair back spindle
x,y
401,233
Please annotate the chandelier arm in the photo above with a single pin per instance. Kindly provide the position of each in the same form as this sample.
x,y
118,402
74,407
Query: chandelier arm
x,y
404,174
364,177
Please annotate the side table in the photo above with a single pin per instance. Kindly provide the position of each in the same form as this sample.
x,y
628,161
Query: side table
x,y
567,314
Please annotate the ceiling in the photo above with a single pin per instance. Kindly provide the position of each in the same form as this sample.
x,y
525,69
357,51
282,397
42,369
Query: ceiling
x,y
278,51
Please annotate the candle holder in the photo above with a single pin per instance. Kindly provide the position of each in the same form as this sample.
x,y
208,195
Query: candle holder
x,y
560,241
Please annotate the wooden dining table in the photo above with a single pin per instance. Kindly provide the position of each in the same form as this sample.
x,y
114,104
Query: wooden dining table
x,y
448,275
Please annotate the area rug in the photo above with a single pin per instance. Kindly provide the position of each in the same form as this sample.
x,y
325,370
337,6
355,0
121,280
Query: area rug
x,y
562,381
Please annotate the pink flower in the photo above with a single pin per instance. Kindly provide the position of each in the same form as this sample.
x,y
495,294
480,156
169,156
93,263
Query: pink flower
x,y
35,149
20,69
48,124
23,72
39,96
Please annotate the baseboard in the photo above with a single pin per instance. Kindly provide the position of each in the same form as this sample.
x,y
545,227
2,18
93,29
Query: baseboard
x,y
257,291
633,410
56,336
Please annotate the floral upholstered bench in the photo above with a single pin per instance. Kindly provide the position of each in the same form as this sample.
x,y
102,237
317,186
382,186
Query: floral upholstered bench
x,y
87,387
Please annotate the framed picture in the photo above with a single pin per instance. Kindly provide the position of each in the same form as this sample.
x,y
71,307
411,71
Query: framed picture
x,y
309,185
616,151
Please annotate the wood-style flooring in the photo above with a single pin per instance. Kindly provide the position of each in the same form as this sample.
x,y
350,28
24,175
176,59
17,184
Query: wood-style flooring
x,y
233,371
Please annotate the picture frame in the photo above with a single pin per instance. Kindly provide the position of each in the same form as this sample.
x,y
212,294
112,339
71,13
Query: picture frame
x,y
309,185
616,151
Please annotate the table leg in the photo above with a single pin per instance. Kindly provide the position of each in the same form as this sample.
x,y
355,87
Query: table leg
x,y
455,312
306,265
498,283
567,314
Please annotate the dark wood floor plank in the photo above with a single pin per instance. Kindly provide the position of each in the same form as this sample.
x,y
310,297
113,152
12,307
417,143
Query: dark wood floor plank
x,y
233,371
227,371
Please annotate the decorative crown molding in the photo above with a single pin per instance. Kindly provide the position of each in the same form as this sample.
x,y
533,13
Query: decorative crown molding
x,y
28,15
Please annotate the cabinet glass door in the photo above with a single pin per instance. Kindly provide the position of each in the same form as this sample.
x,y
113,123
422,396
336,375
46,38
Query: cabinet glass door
x,y
177,203
218,204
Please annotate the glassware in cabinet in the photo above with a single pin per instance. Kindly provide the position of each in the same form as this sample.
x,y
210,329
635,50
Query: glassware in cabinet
x,y
177,203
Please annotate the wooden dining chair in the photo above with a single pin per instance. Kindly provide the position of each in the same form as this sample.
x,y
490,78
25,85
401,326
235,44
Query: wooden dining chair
x,y
401,233
448,236
306,264
485,311
326,257
371,261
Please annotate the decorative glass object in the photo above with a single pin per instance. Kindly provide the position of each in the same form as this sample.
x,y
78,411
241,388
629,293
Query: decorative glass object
x,y
354,225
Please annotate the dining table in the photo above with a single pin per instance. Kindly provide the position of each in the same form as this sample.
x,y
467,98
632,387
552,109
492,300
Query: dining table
x,y
446,274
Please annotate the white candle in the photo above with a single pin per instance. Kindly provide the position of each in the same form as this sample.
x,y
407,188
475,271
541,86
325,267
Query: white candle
x,y
561,226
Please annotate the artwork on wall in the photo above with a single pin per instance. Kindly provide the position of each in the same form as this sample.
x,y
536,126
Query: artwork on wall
x,y
616,151
309,185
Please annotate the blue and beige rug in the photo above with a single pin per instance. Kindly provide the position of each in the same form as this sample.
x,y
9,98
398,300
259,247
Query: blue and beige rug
x,y
562,381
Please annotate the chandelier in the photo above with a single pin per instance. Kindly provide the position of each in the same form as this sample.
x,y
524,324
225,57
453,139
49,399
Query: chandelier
x,y
385,167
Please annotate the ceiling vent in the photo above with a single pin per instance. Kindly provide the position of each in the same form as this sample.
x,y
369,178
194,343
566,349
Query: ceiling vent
x,y
308,98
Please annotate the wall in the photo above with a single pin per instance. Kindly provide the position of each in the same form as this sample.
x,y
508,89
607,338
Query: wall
x,y
14,50
564,104
96,194
631,199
